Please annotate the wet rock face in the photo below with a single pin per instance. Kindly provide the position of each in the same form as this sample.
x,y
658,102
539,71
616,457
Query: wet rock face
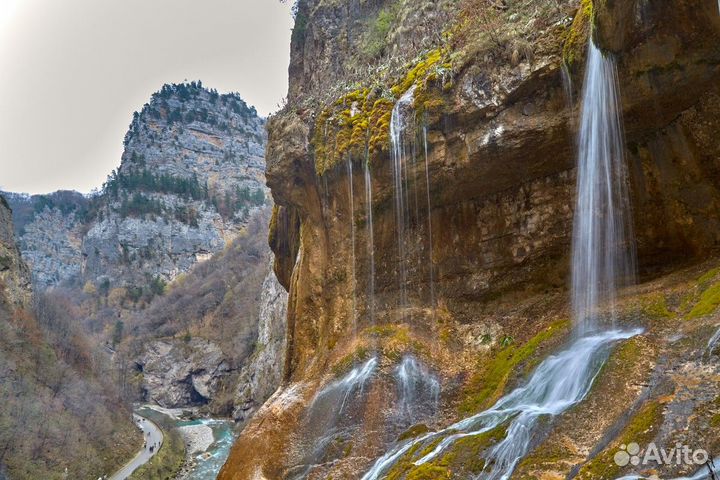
x,y
181,374
501,158
14,273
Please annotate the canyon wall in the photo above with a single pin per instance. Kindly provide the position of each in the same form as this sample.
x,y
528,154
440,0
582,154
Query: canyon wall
x,y
488,233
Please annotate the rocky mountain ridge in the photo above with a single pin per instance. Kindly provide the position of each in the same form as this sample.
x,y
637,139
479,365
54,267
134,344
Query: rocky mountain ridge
x,y
190,177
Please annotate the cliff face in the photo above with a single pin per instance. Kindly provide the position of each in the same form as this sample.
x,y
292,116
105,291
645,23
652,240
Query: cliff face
x,y
50,230
489,191
190,177
263,372
14,273
191,174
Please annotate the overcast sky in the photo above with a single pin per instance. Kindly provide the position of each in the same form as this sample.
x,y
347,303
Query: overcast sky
x,y
73,71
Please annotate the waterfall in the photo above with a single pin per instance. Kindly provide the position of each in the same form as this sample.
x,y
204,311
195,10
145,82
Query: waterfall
x,y
429,221
601,257
405,139
418,390
352,235
370,239
558,383
567,85
398,126
333,415
602,253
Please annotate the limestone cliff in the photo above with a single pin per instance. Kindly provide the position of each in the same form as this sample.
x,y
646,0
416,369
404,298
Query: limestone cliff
x,y
479,262
263,372
189,179
14,273
191,173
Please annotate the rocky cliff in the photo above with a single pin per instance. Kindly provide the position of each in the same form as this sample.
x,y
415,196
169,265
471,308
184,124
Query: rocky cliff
x,y
191,174
50,230
470,277
190,177
263,372
14,273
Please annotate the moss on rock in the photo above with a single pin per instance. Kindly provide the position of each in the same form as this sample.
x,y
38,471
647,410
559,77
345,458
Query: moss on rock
x,y
641,429
488,383
577,35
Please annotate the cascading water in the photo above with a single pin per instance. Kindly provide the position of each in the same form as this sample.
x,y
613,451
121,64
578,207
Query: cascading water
x,y
370,240
429,219
601,253
713,342
418,390
560,382
398,125
334,415
351,201
405,139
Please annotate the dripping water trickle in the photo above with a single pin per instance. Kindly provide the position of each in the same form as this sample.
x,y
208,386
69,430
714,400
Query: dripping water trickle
x,y
351,199
429,220
398,125
370,240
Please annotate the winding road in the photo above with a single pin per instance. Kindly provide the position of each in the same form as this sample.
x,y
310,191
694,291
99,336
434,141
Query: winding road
x,y
152,435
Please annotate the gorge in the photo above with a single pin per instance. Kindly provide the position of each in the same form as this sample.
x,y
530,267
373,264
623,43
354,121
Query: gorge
x,y
473,220
479,240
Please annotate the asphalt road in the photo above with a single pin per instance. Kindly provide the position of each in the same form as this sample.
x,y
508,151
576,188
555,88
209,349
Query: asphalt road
x,y
153,437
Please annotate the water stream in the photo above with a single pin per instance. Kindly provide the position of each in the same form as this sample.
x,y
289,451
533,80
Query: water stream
x,y
351,200
370,240
418,390
429,219
398,126
207,464
713,342
332,418
602,249
558,383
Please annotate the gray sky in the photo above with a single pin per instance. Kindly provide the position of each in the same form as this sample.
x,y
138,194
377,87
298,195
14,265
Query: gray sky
x,y
73,71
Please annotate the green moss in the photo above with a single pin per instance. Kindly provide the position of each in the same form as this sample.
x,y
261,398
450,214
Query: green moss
x,y
382,330
655,307
641,429
708,302
466,454
413,432
359,121
547,456
576,37
419,72
404,464
715,420
708,276
487,385
428,471
346,363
